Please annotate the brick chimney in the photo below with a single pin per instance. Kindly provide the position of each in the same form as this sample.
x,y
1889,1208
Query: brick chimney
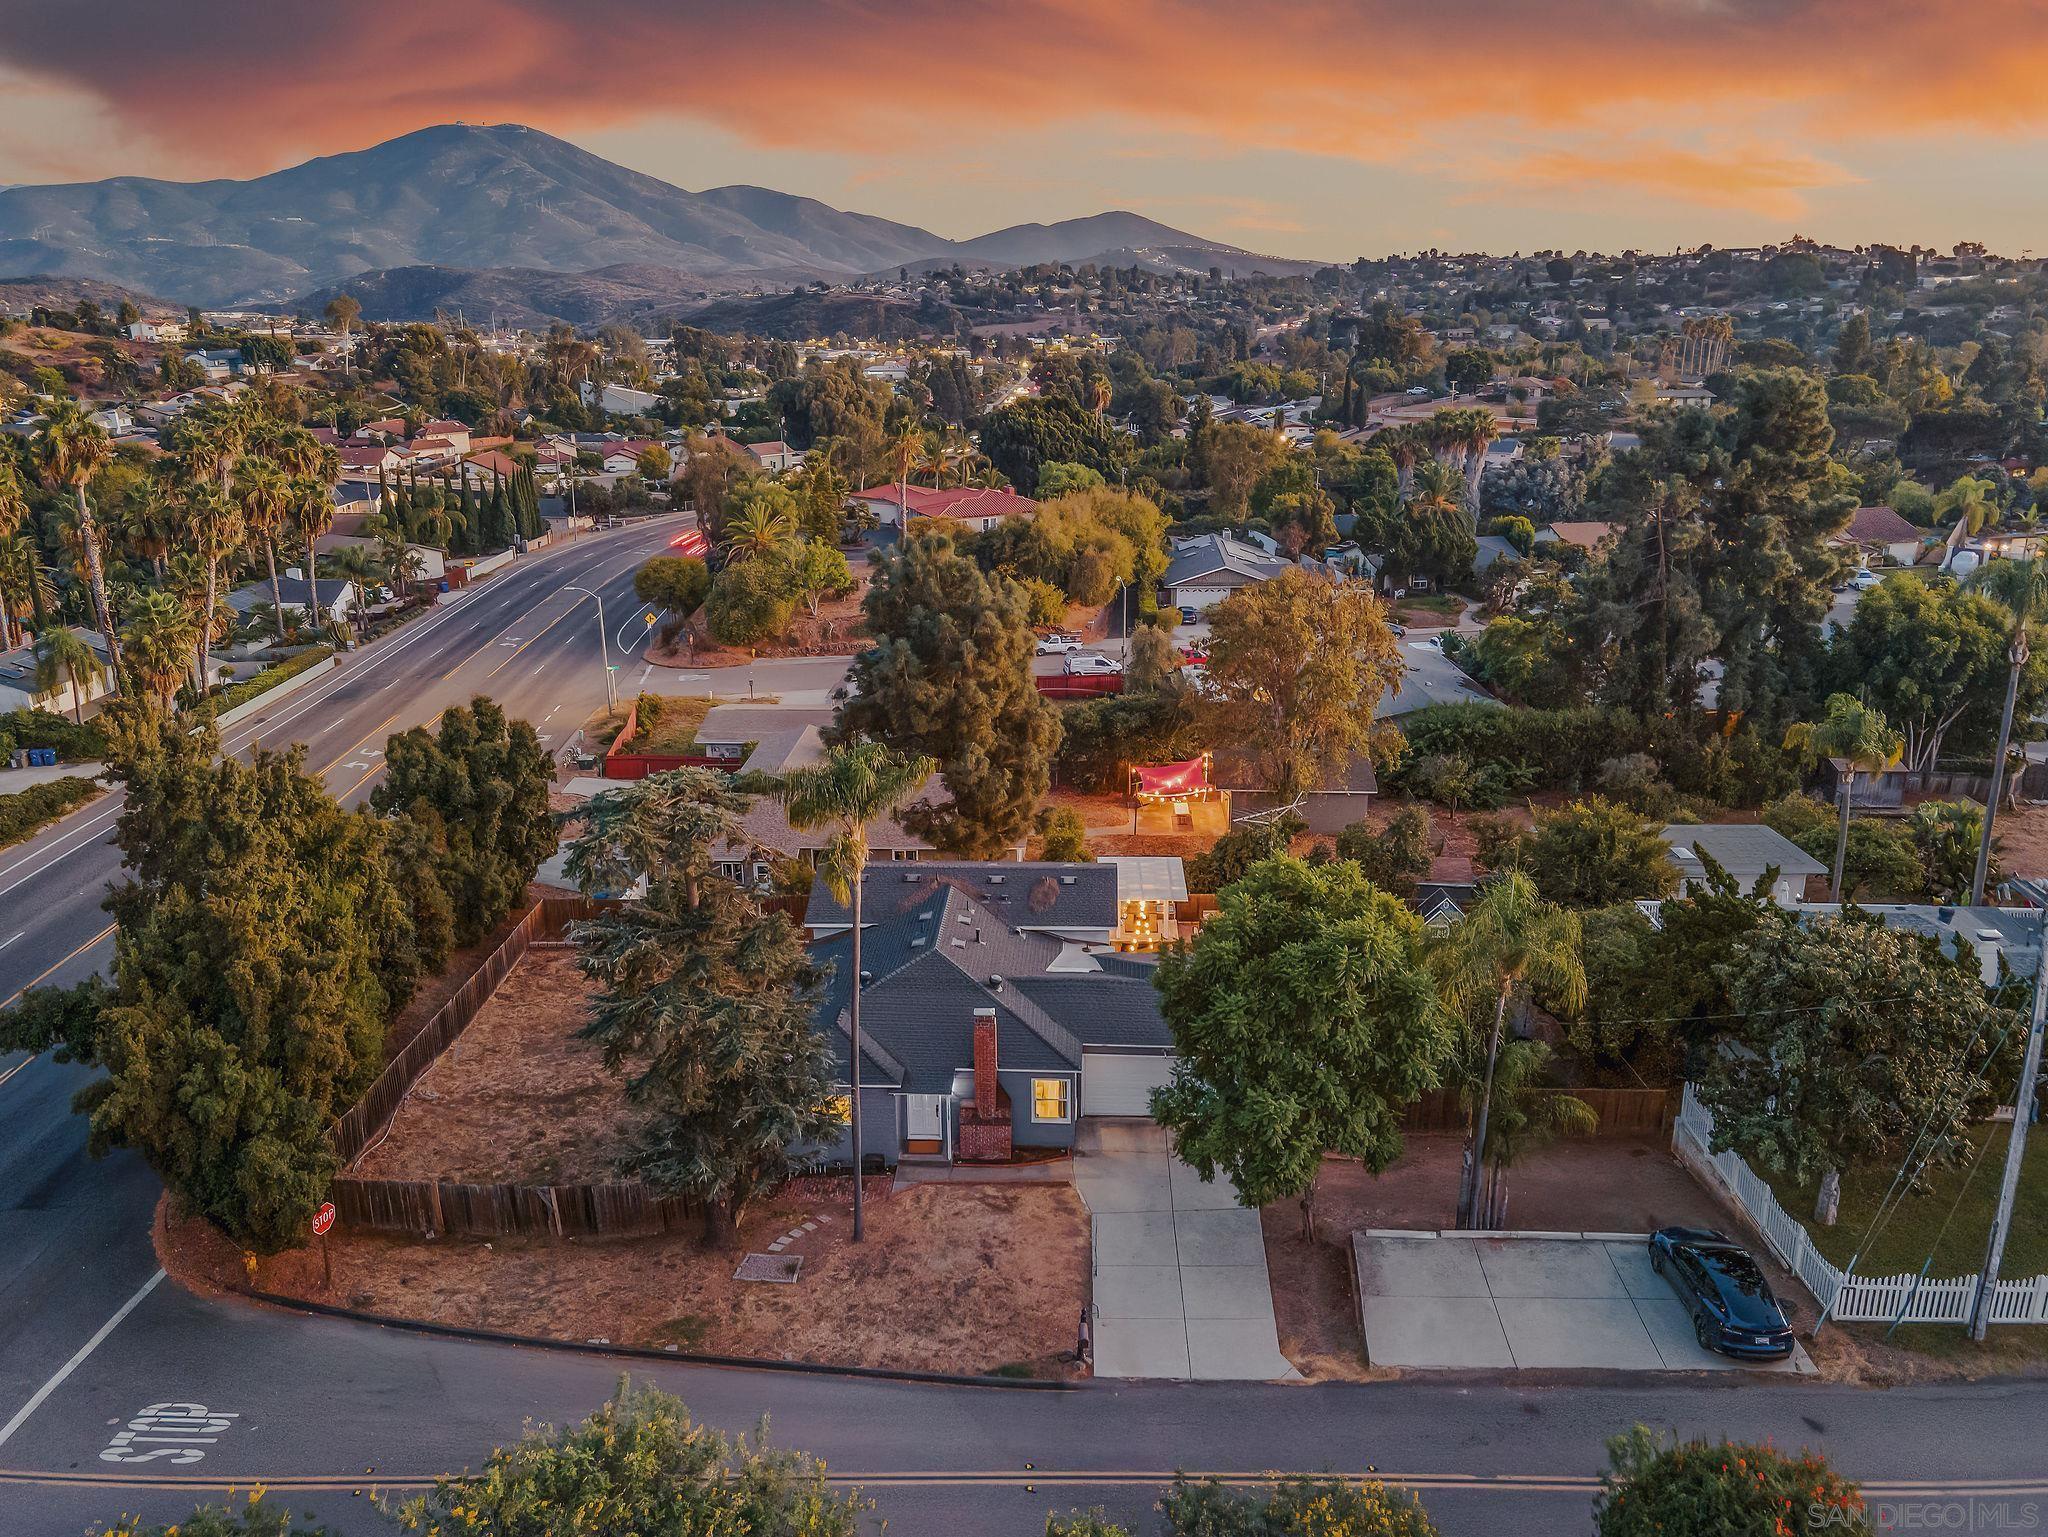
x,y
985,1062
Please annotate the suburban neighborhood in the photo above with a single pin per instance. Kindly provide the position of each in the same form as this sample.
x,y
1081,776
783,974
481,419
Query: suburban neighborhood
x,y
683,862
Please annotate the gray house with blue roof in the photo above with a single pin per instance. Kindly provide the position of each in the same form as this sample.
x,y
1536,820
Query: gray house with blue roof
x,y
996,1011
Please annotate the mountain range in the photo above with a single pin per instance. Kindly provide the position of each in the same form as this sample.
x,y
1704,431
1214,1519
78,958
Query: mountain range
x,y
509,207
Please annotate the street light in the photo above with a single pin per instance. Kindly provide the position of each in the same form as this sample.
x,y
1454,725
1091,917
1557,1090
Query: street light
x,y
604,650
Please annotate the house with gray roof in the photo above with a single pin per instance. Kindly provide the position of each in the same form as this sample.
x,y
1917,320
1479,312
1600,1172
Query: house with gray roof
x,y
1207,569
995,1013
1747,851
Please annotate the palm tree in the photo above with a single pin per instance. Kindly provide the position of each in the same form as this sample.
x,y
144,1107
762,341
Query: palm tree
x,y
757,530
13,511
1510,941
357,567
213,522
25,582
343,311
157,636
1480,431
313,513
1523,1116
73,448
1404,447
1857,740
61,655
2020,588
908,445
266,497
853,786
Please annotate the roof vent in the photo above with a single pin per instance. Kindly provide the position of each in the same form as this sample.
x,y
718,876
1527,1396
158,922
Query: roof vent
x,y
925,916
866,977
919,943
995,880
995,983
963,918
1988,936
1067,880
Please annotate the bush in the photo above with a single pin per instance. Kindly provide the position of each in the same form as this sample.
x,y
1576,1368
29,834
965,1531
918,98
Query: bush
x,y
1558,749
28,811
1594,853
1395,857
1101,739
1238,850
1298,1507
749,602
1654,1486
224,700
1065,835
1048,604
1634,780
75,743
677,583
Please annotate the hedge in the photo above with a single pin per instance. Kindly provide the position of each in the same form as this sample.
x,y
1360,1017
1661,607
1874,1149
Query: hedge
x,y
31,810
1563,749
75,743
268,679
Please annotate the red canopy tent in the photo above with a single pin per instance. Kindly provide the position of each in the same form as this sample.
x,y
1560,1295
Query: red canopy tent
x,y
1172,781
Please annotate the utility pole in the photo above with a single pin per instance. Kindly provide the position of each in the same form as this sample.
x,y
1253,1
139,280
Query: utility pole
x,y
2016,1145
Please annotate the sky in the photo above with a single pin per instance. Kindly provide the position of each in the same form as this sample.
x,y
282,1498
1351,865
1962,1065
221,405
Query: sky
x,y
1324,129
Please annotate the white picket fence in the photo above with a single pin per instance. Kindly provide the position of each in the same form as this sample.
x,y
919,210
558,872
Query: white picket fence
x,y
1855,1298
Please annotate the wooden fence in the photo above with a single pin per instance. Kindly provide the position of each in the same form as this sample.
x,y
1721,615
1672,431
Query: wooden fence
x,y
1622,1112
614,1208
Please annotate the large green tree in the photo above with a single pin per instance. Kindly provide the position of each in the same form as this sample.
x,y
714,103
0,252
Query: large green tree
x,y
949,678
1305,1023
1298,666
260,946
478,792
638,1465
1593,852
705,996
1017,439
1848,1041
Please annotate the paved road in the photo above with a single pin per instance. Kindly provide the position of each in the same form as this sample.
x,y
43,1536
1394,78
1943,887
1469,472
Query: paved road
x,y
90,1337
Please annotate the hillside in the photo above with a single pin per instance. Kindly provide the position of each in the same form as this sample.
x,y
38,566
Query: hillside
x,y
527,297
485,198
42,288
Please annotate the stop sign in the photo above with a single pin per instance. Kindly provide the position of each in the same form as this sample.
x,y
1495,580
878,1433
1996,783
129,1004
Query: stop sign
x,y
323,1219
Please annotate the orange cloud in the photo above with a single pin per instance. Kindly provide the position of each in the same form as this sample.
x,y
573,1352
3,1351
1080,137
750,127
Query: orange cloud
x,y
1454,85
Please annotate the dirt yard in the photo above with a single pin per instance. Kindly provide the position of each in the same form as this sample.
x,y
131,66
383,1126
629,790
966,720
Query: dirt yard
x,y
2023,840
952,1278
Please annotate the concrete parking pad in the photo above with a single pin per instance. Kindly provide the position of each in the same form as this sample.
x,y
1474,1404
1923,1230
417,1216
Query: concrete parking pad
x,y
1181,1289
1553,1300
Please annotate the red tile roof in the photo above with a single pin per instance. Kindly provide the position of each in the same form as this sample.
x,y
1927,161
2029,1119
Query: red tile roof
x,y
954,502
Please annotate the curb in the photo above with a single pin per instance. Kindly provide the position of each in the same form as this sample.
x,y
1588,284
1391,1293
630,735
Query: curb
x,y
642,1353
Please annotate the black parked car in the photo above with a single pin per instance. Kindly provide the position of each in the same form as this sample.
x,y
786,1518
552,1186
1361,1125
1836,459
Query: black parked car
x,y
1724,1290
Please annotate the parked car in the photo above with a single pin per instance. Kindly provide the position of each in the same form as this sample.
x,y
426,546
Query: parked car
x,y
1092,664
1188,615
1399,629
1865,579
1724,1290
1057,643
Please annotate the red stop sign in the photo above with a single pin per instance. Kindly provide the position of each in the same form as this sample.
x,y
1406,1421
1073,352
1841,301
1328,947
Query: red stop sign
x,y
323,1219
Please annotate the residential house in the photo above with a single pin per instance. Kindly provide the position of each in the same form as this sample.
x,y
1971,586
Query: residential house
x,y
456,434
1880,534
986,1027
1493,548
623,457
165,331
385,427
975,508
1747,851
216,363
337,597
775,456
433,563
368,461
1585,534
617,400
19,690
1207,569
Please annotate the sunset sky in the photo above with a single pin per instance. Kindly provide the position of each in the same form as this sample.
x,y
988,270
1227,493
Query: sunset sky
x,y
1316,128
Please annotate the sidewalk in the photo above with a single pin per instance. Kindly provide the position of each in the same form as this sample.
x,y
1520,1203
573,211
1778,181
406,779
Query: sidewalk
x,y
13,780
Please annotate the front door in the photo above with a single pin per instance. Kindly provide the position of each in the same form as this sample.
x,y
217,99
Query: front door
x,y
924,1123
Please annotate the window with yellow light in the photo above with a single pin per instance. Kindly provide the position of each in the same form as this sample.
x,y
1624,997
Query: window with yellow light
x,y
1049,1099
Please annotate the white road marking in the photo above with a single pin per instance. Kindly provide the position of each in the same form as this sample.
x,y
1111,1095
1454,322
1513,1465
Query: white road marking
x,y
24,1062
180,1429
537,668
21,1415
57,851
4,943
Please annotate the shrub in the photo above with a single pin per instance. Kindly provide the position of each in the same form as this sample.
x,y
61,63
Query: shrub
x,y
1665,1487
677,583
1593,853
1225,862
1633,780
75,743
224,700
1395,857
1047,603
749,602
1065,835
28,811
1560,749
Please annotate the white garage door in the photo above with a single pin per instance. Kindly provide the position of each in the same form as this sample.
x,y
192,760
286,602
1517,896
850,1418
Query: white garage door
x,y
1112,1085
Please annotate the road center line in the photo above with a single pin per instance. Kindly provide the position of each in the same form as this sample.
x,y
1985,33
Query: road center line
x,y
21,1415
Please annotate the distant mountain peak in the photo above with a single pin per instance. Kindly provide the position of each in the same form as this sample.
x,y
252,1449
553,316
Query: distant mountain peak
x,y
482,197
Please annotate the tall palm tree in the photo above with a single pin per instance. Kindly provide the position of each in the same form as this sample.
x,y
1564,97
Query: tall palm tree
x,y
2020,588
1480,431
1404,446
313,514
1512,940
213,523
1523,1116
72,448
61,655
853,786
156,635
13,511
1858,740
265,493
356,566
25,582
908,445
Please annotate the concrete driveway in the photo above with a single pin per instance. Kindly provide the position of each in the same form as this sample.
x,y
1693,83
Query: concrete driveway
x,y
1550,1300
1181,1289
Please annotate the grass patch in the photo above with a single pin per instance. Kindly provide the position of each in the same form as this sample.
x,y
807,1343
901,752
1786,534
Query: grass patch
x,y
27,812
686,1332
1901,1246
263,682
667,723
